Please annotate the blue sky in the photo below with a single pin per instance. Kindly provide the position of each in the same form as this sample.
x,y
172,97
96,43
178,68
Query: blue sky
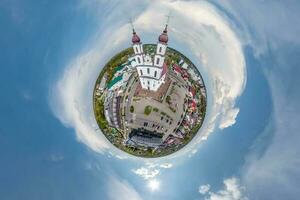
x,y
52,52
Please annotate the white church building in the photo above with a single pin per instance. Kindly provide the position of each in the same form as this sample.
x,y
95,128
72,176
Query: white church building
x,y
152,72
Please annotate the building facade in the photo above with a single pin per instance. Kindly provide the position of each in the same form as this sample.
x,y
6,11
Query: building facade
x,y
151,71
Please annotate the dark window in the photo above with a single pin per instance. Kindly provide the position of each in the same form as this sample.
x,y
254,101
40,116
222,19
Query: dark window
x,y
148,83
139,60
159,49
141,72
145,123
148,70
157,61
155,73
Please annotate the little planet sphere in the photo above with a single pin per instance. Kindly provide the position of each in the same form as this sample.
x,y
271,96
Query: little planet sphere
x,y
149,100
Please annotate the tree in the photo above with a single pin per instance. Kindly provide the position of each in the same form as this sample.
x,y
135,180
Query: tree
x,y
147,110
168,99
131,109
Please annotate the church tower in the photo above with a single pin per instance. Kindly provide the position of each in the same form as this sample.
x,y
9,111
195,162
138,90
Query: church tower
x,y
137,48
161,48
151,74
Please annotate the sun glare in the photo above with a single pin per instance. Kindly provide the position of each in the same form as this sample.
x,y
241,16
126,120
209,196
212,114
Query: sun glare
x,y
153,185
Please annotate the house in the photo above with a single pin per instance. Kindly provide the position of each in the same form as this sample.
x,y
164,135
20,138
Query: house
x,y
184,65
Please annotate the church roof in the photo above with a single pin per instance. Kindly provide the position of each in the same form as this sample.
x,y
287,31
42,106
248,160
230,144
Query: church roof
x,y
114,81
119,68
135,37
163,38
177,68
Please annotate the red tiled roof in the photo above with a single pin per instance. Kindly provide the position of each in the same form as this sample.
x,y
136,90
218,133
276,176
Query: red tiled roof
x,y
191,89
163,38
185,123
193,104
135,38
177,68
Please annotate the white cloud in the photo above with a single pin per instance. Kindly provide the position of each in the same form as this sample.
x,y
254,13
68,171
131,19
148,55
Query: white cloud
x,y
266,23
203,189
121,189
70,97
272,29
56,157
217,50
224,104
27,95
192,152
146,173
275,173
231,191
166,165
91,166
151,169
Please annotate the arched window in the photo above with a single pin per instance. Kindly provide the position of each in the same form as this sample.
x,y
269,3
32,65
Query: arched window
x,y
155,74
157,61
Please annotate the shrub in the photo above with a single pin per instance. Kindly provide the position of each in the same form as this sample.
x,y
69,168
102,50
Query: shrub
x,y
131,109
173,109
168,99
147,110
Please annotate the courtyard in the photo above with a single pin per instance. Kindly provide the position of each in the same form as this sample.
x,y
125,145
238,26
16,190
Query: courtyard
x,y
158,112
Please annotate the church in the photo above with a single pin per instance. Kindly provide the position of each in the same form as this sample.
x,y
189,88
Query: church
x,y
151,71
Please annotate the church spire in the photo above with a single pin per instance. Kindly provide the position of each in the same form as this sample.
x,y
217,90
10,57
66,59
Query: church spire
x,y
163,38
167,23
135,38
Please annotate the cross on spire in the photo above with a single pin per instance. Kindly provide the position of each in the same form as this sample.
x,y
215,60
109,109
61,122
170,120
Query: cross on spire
x,y
135,38
168,18
131,23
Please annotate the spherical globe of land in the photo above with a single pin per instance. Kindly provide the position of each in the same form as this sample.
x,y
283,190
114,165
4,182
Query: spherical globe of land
x,y
149,111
